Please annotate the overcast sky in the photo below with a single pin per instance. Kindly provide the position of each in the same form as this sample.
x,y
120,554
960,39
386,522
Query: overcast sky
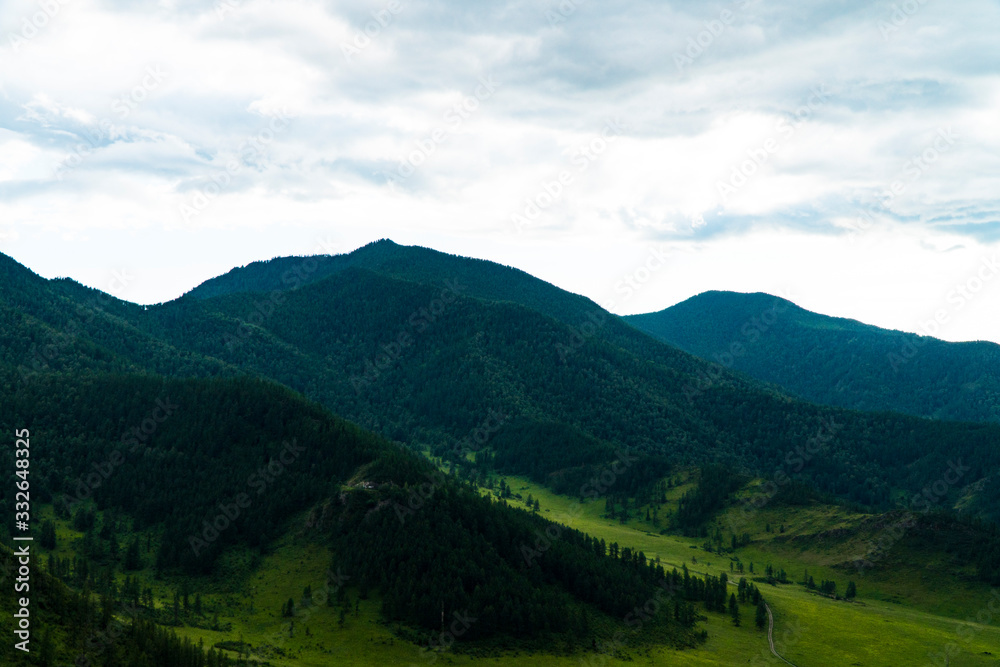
x,y
843,154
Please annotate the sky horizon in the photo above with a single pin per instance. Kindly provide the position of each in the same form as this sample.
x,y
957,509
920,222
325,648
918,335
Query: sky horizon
x,y
845,155
629,284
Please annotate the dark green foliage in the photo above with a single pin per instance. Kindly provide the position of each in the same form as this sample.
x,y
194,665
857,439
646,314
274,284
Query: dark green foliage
x,y
221,439
499,346
70,628
962,538
133,558
760,617
832,360
575,401
517,574
575,411
48,537
456,548
715,484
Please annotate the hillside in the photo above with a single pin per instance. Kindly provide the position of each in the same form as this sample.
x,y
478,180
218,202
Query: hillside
x,y
834,361
428,364
475,278
226,464
336,340
62,326
489,384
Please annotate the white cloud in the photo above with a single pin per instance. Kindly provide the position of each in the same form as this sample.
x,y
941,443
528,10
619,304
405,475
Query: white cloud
x,y
754,71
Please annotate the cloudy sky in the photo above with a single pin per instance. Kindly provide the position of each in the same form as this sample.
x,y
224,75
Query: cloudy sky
x,y
843,154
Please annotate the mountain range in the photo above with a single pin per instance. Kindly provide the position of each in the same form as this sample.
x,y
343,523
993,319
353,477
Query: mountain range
x,y
388,365
832,360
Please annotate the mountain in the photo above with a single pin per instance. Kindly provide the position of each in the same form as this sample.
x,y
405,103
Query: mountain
x,y
831,360
328,393
443,366
205,467
476,278
62,326
428,360
67,624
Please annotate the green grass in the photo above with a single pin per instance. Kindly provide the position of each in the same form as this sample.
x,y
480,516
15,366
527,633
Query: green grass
x,y
364,640
906,611
871,632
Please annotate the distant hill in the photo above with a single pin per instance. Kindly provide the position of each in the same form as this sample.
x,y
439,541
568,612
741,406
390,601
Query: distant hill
x,y
158,418
559,368
832,360
425,348
493,371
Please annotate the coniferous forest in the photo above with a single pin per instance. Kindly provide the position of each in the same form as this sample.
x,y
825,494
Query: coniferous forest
x,y
386,395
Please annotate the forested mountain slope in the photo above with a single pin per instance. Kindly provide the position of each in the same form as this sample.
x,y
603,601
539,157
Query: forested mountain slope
x,y
832,360
208,465
429,363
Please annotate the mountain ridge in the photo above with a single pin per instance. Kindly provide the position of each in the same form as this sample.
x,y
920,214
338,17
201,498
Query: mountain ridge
x,y
835,361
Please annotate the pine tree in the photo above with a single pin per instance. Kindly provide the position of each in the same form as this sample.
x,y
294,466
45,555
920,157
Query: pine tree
x,y
48,537
46,650
852,591
734,609
761,615
133,560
